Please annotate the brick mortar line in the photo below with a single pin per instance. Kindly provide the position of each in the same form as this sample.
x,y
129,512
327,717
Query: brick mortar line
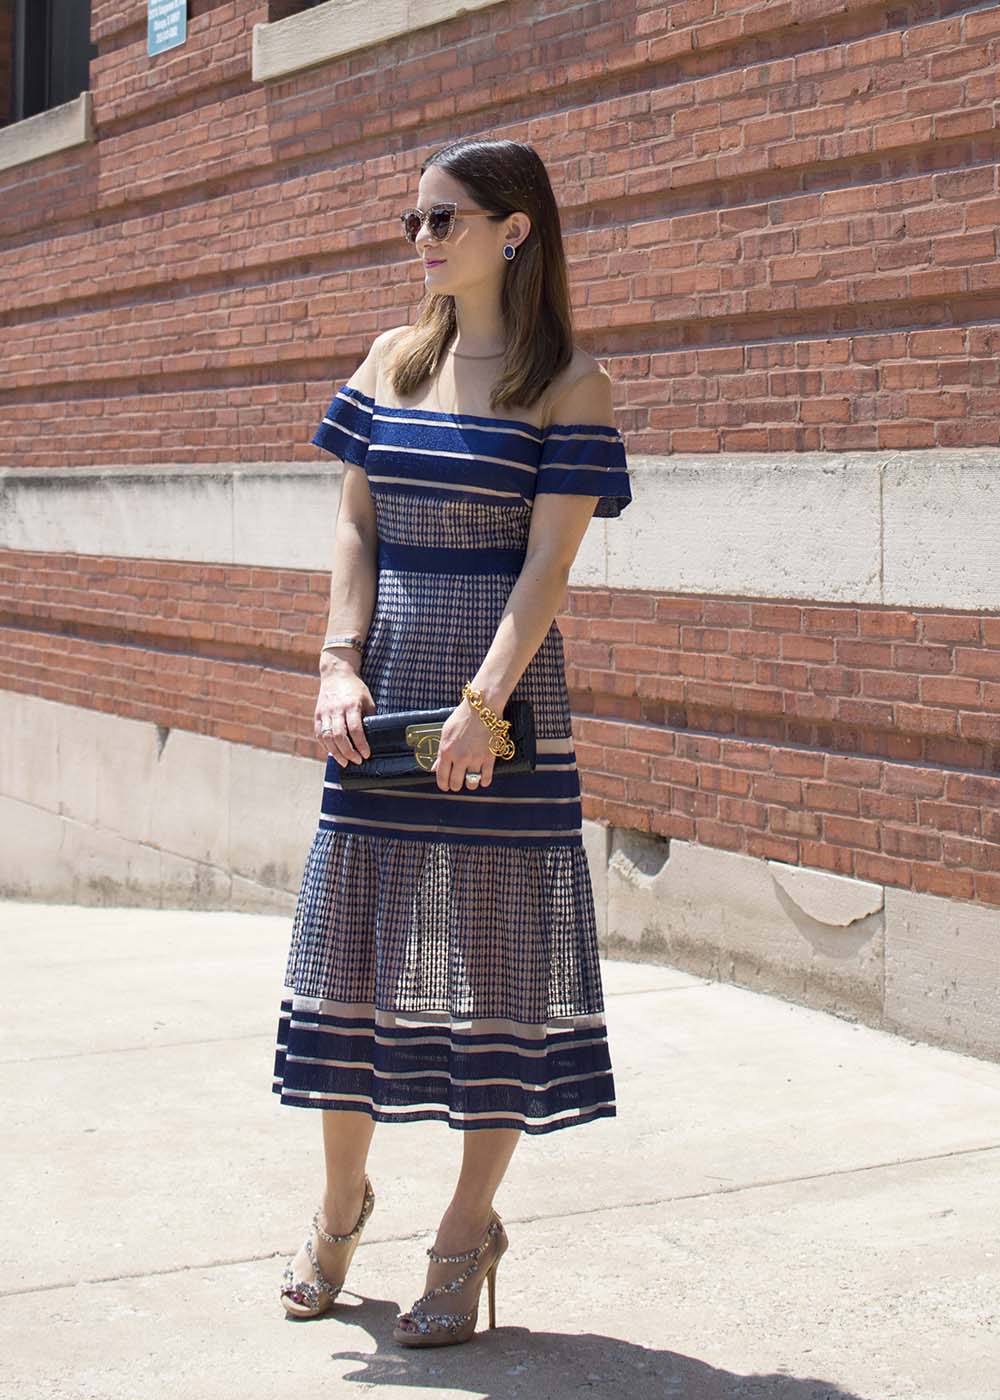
x,y
148,641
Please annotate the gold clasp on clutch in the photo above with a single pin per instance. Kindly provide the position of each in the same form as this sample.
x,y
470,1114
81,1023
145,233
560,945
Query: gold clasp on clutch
x,y
424,740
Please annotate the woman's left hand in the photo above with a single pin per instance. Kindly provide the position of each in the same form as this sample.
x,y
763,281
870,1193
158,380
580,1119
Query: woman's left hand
x,y
464,748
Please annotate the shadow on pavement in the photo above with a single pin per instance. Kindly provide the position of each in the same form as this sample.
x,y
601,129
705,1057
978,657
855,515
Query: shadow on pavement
x,y
515,1363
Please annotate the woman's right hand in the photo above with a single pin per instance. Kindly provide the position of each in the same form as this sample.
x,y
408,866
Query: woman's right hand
x,y
343,699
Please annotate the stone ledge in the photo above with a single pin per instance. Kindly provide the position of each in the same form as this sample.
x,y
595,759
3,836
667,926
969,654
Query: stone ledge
x,y
47,133
903,529
343,26
901,961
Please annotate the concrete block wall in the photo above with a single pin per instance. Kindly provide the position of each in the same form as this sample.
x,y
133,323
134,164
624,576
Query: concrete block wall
x,y
781,224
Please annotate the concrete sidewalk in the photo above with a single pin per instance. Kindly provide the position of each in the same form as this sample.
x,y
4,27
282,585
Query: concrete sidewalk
x,y
787,1207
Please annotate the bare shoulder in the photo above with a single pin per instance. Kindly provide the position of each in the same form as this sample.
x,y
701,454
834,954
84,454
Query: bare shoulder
x,y
579,366
581,387
386,339
380,353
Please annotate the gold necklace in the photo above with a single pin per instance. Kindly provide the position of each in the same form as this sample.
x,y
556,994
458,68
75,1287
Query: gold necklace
x,y
459,356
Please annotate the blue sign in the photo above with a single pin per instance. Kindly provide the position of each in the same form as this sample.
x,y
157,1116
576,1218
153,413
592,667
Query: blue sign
x,y
166,24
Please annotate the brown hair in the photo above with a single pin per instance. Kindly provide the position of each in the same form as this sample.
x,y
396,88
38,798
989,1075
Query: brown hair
x,y
502,177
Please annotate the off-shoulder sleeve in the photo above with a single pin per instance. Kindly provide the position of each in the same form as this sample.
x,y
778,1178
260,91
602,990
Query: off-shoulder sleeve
x,y
585,459
347,425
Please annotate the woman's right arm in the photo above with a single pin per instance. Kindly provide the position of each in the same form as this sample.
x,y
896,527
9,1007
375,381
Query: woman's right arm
x,y
343,696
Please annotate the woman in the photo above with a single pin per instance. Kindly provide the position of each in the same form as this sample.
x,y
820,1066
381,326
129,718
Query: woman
x,y
443,961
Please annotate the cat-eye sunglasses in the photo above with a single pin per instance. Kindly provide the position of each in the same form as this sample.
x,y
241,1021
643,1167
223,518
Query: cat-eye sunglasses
x,y
440,220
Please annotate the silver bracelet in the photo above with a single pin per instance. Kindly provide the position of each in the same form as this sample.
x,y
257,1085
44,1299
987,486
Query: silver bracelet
x,y
352,641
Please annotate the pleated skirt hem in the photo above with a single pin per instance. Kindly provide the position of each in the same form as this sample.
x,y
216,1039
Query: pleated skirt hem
x,y
438,1114
402,1067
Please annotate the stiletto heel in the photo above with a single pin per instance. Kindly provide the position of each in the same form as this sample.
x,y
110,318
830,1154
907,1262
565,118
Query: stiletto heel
x,y
447,1329
319,1295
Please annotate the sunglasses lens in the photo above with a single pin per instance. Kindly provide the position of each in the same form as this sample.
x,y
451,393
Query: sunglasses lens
x,y
439,222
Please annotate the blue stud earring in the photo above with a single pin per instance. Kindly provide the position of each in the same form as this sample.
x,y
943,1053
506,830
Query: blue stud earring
x,y
508,251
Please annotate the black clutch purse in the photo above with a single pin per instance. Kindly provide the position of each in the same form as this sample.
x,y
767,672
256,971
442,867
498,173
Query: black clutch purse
x,y
404,745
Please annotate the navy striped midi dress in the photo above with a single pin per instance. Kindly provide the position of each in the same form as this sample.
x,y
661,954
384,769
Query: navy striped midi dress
x,y
443,960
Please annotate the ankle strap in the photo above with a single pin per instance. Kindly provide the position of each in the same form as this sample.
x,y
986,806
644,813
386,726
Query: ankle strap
x,y
493,1229
366,1205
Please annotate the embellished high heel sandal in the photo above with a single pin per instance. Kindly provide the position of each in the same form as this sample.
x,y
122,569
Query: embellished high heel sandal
x,y
302,1299
434,1329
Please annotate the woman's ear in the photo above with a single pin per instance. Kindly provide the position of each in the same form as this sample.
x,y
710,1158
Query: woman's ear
x,y
518,229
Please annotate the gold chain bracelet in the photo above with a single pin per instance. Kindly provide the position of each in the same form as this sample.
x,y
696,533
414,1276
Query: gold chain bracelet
x,y
500,745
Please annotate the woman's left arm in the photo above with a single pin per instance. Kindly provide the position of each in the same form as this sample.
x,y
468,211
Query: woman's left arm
x,y
558,524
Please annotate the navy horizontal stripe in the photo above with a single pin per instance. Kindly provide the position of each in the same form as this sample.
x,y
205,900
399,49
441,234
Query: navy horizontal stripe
x,y
570,1082
467,804
422,812
550,779
440,1115
346,427
423,462
445,560
612,488
451,835
585,459
462,809
513,429
533,1072
501,459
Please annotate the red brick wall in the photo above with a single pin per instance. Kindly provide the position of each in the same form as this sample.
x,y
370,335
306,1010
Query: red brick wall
x,y
782,227
862,740
782,221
